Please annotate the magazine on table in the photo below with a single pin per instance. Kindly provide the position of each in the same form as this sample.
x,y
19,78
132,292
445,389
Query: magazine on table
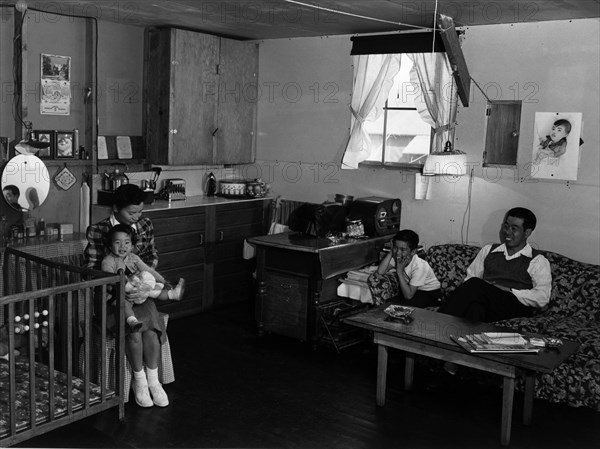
x,y
499,342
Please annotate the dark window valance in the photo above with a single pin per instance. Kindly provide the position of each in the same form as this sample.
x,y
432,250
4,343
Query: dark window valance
x,y
397,43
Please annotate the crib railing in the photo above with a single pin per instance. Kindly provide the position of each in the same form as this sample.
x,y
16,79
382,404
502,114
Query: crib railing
x,y
52,314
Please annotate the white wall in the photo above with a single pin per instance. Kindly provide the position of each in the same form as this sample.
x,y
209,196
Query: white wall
x,y
303,126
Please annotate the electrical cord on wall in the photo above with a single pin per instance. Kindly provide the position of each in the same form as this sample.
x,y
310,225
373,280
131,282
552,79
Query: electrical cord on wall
x,y
467,215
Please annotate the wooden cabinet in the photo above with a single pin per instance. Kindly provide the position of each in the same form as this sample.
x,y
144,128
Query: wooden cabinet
x,y
204,245
232,274
200,98
180,236
297,278
502,132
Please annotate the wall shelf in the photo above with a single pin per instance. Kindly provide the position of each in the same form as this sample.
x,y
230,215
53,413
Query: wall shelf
x,y
71,162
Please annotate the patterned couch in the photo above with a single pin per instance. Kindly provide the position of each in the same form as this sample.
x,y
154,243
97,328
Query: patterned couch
x,y
573,313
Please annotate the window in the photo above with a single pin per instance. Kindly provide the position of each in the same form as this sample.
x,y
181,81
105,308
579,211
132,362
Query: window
x,y
399,137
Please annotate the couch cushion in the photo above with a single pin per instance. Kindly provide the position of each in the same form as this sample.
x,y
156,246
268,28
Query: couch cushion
x,y
574,285
449,263
590,295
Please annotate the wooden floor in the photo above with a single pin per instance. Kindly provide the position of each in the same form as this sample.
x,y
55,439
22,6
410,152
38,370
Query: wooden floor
x,y
233,390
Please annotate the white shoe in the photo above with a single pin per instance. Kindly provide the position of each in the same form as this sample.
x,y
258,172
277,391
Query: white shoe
x,y
159,396
176,294
141,393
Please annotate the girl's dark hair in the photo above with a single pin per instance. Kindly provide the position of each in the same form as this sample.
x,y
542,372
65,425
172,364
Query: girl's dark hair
x,y
108,238
127,195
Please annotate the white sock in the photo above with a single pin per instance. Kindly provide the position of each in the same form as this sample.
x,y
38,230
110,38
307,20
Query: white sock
x,y
152,376
140,376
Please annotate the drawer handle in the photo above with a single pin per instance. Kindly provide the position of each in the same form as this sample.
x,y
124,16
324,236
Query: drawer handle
x,y
202,238
221,236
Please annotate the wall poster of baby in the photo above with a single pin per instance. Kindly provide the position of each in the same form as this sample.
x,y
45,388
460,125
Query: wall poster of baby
x,y
556,141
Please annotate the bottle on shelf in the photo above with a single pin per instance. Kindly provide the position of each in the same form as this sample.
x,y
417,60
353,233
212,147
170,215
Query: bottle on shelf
x,y
41,227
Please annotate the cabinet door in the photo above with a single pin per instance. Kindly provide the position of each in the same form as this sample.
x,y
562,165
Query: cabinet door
x,y
180,238
238,96
194,97
232,273
502,133
181,96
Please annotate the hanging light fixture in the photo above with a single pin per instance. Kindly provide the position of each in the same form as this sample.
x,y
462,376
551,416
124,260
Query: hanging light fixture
x,y
448,162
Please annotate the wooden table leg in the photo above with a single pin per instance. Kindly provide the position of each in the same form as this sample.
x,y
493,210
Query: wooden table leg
x,y
409,368
382,358
507,406
528,399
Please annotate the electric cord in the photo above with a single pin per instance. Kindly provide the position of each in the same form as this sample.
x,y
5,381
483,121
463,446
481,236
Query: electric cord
x,y
467,215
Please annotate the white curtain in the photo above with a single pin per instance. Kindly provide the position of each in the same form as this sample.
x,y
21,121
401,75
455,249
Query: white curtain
x,y
373,79
437,105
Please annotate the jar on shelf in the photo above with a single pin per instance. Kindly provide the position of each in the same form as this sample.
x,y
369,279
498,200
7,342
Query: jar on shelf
x,y
355,228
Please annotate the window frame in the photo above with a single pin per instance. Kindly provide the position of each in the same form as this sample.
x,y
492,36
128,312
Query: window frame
x,y
404,166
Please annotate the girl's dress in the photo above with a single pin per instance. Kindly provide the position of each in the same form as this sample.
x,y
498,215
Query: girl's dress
x,y
147,311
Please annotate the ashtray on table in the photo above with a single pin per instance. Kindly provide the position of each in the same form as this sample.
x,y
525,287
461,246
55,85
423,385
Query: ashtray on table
x,y
399,313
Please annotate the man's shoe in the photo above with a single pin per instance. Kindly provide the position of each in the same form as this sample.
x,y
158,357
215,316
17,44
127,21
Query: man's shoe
x,y
141,393
159,396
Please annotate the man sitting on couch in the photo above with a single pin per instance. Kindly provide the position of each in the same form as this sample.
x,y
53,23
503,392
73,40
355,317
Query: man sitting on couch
x,y
505,280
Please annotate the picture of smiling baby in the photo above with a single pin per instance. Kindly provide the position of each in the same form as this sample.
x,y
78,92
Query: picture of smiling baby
x,y
555,153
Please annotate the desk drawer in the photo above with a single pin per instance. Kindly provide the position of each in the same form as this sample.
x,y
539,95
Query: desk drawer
x,y
285,305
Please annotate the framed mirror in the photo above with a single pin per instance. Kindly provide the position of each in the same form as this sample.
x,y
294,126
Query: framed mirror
x,y
25,182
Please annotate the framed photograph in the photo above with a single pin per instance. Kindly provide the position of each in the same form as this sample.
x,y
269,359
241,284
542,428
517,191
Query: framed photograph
x,y
64,145
556,142
47,137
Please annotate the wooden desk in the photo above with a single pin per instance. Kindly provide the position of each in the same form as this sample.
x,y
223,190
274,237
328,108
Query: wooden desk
x,y
297,274
429,335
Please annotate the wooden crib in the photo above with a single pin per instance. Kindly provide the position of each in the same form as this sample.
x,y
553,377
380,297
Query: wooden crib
x,y
53,314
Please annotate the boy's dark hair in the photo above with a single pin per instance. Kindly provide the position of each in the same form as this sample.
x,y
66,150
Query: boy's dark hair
x,y
13,189
565,123
528,217
408,236
127,195
119,228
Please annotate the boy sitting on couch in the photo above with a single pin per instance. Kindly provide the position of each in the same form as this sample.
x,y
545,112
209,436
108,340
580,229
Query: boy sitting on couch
x,y
404,276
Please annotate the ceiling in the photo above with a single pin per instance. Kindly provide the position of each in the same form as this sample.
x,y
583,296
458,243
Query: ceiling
x,y
270,19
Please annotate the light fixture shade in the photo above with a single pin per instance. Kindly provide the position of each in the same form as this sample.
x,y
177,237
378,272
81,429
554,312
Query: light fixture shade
x,y
449,163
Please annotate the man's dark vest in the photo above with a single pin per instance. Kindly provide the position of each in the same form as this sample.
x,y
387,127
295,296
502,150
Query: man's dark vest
x,y
508,273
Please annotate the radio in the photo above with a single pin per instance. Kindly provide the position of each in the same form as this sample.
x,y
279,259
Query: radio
x,y
380,216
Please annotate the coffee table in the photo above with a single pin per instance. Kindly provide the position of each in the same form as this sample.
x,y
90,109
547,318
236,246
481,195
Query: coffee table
x,y
429,334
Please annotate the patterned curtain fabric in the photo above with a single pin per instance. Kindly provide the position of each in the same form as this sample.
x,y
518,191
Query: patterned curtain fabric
x,y
437,105
373,79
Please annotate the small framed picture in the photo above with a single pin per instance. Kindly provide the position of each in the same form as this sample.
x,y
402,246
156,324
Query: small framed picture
x,y
64,145
46,137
